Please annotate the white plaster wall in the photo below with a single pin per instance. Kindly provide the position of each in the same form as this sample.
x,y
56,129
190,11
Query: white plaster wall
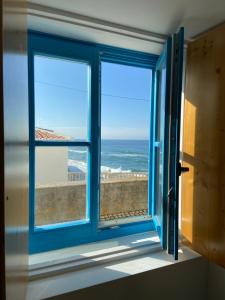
x,y
51,165
216,282
182,281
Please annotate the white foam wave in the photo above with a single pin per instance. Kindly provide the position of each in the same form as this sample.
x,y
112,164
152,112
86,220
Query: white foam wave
x,y
127,155
111,154
78,151
104,169
78,164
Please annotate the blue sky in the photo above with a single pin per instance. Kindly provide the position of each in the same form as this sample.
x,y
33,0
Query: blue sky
x,y
62,93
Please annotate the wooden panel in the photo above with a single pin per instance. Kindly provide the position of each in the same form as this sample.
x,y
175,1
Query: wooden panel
x,y
15,96
203,188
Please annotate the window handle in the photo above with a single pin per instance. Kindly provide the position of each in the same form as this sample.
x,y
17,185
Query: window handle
x,y
181,169
171,193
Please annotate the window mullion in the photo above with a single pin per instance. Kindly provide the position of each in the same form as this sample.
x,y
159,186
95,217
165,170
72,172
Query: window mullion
x,y
47,143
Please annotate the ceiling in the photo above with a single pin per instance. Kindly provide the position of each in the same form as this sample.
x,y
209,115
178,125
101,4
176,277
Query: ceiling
x,y
161,17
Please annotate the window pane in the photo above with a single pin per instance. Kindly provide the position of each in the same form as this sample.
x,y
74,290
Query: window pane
x,y
60,184
125,121
159,135
61,98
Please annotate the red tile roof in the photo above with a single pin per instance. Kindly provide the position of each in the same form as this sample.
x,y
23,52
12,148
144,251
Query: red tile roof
x,y
46,134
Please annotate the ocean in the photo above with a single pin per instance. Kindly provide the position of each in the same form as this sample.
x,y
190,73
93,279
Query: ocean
x,y
116,156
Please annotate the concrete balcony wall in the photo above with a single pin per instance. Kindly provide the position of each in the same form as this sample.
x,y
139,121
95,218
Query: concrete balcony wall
x,y
124,196
67,202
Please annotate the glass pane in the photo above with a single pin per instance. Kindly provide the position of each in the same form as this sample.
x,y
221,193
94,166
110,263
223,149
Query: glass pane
x,y
60,184
160,131
125,120
61,98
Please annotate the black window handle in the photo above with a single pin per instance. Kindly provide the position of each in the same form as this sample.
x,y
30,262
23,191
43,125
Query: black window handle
x,y
171,193
181,169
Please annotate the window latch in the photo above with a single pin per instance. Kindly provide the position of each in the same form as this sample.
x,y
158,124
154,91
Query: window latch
x,y
181,169
171,193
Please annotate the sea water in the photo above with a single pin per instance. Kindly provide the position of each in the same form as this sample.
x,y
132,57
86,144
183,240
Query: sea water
x,y
116,156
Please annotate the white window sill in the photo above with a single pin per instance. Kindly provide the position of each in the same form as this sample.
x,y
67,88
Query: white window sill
x,y
66,270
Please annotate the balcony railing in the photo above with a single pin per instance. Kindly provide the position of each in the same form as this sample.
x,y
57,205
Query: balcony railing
x,y
108,176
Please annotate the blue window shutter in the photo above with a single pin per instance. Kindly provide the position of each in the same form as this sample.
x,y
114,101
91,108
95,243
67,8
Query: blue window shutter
x,y
174,142
166,142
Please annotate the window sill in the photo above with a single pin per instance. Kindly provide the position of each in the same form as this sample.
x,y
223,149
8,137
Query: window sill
x,y
62,271
74,258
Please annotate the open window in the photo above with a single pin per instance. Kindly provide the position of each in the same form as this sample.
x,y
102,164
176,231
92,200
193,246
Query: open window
x,y
125,119
166,167
102,142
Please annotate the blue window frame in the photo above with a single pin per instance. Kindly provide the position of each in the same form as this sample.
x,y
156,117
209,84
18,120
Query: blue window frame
x,y
160,142
166,165
175,169
54,236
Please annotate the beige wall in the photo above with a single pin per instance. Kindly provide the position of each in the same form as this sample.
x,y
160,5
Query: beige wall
x,y
51,165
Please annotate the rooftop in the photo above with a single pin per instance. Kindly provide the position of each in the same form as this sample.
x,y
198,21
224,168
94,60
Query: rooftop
x,y
47,134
